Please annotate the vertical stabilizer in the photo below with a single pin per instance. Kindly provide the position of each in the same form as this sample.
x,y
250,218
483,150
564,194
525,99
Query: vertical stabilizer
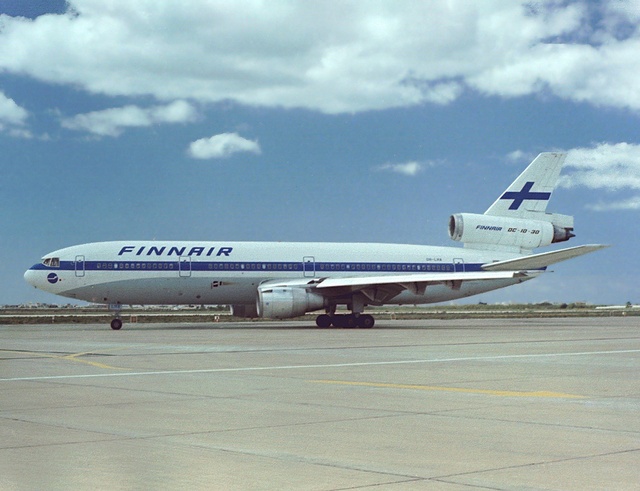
x,y
529,194
517,221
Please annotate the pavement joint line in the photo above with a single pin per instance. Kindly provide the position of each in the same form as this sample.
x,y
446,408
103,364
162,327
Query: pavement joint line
x,y
538,463
325,365
75,357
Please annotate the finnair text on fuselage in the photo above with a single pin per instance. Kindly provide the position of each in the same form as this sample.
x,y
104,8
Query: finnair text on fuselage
x,y
176,251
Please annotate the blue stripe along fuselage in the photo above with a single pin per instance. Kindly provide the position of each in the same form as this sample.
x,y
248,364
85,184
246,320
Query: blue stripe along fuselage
x,y
247,266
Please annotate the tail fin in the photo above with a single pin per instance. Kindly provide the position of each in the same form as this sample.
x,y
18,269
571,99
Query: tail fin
x,y
517,221
529,194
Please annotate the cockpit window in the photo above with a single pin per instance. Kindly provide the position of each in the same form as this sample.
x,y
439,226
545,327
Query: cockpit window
x,y
51,262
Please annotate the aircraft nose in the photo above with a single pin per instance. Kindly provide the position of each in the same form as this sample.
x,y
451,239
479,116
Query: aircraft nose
x,y
31,277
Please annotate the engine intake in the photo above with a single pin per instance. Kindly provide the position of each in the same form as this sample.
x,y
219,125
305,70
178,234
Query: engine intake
x,y
285,302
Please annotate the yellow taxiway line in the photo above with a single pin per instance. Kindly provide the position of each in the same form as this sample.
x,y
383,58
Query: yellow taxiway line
x,y
503,393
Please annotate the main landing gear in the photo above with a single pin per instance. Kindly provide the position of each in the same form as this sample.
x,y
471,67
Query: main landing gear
x,y
345,320
357,318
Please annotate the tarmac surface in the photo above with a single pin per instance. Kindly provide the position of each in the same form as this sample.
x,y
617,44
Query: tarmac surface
x,y
520,404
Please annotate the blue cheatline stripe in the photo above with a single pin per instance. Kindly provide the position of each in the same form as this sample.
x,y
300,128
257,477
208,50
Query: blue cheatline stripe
x,y
261,266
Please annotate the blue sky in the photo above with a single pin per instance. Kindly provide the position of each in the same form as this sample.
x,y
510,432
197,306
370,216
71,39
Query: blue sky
x,y
316,121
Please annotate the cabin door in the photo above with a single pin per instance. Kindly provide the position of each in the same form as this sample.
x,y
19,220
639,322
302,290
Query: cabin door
x,y
184,264
79,266
309,266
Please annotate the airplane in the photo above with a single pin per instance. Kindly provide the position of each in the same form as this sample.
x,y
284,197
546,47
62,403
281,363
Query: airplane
x,y
280,280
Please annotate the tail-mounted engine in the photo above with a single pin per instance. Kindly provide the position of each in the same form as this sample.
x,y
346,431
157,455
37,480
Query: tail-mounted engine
x,y
509,233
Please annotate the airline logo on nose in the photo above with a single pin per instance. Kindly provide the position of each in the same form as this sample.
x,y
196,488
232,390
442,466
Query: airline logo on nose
x,y
52,278
525,193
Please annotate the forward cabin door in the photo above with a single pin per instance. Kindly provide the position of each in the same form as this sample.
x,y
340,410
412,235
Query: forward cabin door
x,y
79,266
458,265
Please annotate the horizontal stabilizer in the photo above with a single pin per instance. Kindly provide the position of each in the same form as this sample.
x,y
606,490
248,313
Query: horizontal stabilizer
x,y
538,261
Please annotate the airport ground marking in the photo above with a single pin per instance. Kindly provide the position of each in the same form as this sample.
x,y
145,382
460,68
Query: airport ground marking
x,y
324,365
503,393
75,357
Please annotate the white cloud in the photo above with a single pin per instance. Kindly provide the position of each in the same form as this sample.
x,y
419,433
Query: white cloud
x,y
13,118
22,133
407,168
518,156
221,146
612,167
352,56
112,122
628,204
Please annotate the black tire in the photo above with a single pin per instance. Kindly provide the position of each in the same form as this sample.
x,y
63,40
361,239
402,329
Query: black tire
x,y
116,324
323,321
366,321
350,321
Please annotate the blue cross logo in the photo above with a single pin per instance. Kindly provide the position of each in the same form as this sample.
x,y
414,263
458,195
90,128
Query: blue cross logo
x,y
525,193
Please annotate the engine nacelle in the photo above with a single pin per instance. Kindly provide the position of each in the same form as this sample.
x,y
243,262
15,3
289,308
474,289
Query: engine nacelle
x,y
277,302
249,311
509,232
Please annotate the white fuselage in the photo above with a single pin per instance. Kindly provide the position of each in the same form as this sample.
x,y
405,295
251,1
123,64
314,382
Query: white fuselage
x,y
145,272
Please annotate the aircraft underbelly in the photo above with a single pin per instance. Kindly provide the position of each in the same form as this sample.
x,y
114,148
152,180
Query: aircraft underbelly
x,y
176,290
238,289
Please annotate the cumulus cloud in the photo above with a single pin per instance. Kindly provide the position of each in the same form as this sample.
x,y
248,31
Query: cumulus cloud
x,y
518,156
354,56
112,122
627,204
407,168
221,146
13,118
612,167
10,112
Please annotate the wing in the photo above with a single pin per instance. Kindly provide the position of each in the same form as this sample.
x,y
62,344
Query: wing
x,y
381,289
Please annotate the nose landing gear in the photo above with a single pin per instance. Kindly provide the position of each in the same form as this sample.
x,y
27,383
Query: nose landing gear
x,y
116,322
